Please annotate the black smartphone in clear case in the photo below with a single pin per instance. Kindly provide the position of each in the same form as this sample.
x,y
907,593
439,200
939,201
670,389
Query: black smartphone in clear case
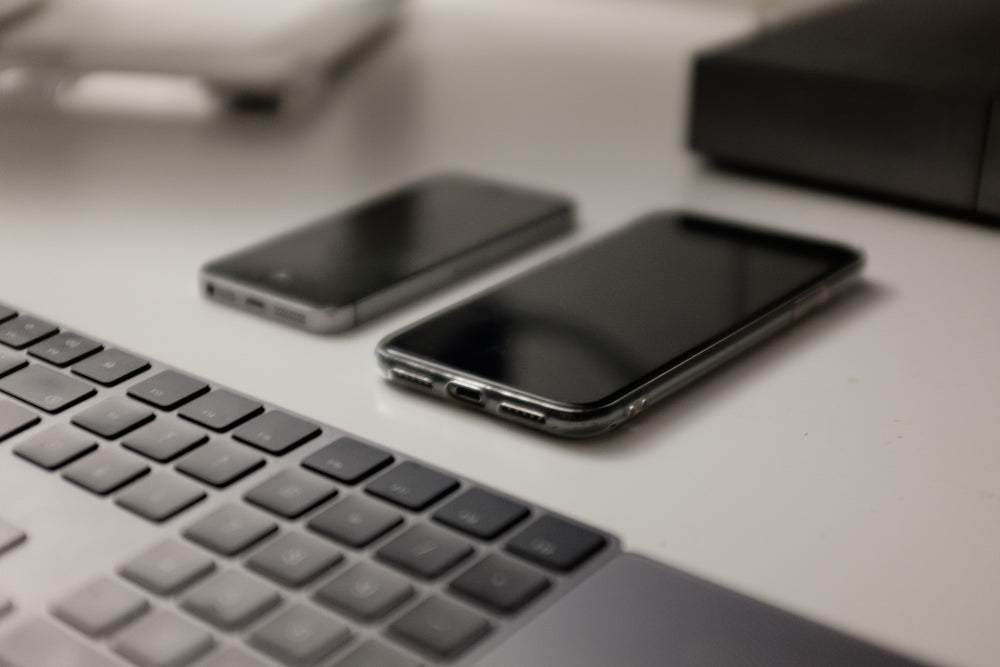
x,y
348,268
582,344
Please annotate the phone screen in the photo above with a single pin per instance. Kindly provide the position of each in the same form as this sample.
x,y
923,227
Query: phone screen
x,y
345,258
600,321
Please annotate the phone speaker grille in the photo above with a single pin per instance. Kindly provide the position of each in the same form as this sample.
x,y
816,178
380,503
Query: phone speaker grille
x,y
523,413
289,315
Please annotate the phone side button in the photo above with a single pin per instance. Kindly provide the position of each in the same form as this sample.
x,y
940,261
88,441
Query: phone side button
x,y
520,412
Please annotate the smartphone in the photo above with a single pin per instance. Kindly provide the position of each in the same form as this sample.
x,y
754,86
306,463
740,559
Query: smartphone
x,y
584,343
346,269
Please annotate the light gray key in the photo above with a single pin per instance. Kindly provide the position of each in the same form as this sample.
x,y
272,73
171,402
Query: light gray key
x,y
161,496
366,590
163,639
295,559
300,635
101,607
230,600
168,567
231,529
373,653
40,642
10,536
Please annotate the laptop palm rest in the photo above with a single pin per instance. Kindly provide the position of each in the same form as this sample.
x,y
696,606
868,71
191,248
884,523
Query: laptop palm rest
x,y
638,612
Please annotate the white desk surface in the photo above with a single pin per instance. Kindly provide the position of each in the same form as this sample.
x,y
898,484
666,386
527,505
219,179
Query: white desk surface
x,y
849,470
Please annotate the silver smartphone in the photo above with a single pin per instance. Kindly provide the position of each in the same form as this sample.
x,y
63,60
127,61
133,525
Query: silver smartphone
x,y
348,268
586,342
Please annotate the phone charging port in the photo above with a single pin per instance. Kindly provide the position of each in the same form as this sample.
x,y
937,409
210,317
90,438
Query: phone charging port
x,y
465,393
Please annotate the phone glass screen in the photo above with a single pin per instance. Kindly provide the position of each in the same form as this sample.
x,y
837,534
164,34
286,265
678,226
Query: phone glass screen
x,y
596,323
343,259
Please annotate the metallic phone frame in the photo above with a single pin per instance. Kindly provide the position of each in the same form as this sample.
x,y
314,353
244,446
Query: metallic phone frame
x,y
583,421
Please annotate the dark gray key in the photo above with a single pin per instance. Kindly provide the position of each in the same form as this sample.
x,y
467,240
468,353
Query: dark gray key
x,y
348,460
168,567
105,470
441,627
10,536
291,493
276,432
6,313
24,330
39,642
6,605
300,635
45,388
355,521
163,639
160,496
220,410
373,653
231,529
501,584
10,361
425,551
167,389
220,462
556,544
412,486
101,607
165,439
366,591
14,419
113,417
481,513
64,349
294,559
56,446
110,367
235,657
231,600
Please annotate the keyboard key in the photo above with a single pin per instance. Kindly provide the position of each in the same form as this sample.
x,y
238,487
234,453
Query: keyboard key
x,y
355,521
276,432
6,605
366,591
165,439
101,607
45,388
294,559
56,446
481,513
441,627
231,529
113,417
425,551
231,600
24,330
40,642
291,493
168,567
160,496
6,313
555,544
167,389
348,460
105,470
221,410
110,367
14,419
412,486
235,657
10,361
220,463
163,639
501,584
64,349
300,635
10,536
373,653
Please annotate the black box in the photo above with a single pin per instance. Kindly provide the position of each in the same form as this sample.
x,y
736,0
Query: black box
x,y
893,97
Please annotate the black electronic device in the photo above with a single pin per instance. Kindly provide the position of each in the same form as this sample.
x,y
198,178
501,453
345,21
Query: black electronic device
x,y
580,345
887,97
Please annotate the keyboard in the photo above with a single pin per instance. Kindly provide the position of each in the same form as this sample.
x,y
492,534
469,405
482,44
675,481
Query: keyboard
x,y
273,539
